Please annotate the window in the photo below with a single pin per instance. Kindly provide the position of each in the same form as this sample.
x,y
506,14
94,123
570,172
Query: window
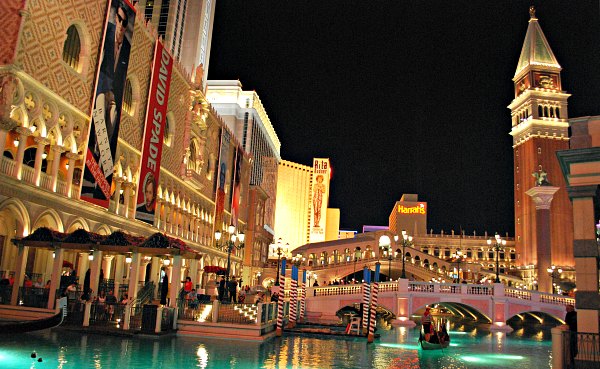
x,y
72,48
480,254
128,98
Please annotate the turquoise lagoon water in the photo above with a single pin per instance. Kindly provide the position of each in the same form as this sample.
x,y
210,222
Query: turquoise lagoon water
x,y
396,348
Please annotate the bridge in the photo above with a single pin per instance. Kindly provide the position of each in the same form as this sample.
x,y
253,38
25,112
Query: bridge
x,y
492,303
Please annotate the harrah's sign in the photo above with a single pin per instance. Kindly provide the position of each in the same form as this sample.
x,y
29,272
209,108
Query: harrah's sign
x,y
156,116
420,208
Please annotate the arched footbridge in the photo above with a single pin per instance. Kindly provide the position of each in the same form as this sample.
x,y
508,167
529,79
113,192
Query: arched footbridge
x,y
494,302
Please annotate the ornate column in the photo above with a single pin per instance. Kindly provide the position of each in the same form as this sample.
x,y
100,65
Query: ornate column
x,y
126,198
119,261
55,279
56,152
106,265
175,280
21,261
23,134
134,275
542,198
69,185
37,167
95,272
115,203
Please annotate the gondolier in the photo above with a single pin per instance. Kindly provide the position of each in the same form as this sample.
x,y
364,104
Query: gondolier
x,y
426,321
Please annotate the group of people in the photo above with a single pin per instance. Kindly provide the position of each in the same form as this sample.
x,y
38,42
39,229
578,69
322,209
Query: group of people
x,y
105,304
228,291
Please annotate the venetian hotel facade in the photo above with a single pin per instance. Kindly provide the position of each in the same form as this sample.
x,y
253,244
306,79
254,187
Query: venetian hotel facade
x,y
78,155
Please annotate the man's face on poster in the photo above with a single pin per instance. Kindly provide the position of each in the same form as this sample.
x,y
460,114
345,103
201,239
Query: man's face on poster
x,y
121,25
149,194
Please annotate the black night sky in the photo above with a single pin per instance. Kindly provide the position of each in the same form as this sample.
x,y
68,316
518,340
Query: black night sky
x,y
403,96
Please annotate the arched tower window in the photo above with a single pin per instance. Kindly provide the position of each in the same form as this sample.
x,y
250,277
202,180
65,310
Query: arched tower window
x,y
557,112
72,48
128,97
540,111
546,111
551,112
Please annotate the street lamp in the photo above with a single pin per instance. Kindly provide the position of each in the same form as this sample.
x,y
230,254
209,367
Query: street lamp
x,y
554,273
278,248
235,241
356,256
298,260
406,241
310,275
458,257
498,246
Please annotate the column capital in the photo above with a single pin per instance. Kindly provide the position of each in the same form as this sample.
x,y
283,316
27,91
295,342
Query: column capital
x,y
542,196
42,140
23,131
72,155
58,149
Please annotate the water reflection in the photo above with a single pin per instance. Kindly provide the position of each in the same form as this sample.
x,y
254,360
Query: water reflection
x,y
472,346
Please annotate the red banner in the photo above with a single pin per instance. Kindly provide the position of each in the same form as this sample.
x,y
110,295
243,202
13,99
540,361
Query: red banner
x,y
156,117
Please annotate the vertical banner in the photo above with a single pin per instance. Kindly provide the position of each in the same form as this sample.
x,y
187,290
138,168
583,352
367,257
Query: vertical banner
x,y
222,177
108,100
320,199
237,187
154,129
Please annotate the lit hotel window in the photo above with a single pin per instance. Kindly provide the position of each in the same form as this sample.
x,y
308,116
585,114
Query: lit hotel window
x,y
72,48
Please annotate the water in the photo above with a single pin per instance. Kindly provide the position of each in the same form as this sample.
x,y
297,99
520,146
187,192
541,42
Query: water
x,y
396,348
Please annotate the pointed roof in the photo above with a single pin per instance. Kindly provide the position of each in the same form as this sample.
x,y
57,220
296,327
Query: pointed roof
x,y
536,50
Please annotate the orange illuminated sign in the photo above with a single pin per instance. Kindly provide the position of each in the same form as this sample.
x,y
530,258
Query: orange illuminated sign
x,y
420,208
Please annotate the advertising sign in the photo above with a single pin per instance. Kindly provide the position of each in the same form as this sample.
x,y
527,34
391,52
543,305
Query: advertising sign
x,y
156,116
320,199
108,100
222,177
237,187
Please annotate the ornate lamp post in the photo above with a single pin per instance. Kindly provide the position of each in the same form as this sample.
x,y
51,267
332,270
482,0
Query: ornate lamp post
x,y
406,241
357,254
497,246
554,273
279,249
298,260
235,241
310,276
458,257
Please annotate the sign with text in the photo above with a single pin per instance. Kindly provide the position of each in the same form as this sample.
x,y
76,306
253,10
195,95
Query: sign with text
x,y
154,130
106,107
420,208
320,199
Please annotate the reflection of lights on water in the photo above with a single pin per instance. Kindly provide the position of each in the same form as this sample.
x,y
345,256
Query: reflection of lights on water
x,y
470,359
202,356
399,345
456,332
454,344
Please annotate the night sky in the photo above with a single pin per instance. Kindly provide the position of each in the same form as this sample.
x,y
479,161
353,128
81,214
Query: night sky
x,y
403,96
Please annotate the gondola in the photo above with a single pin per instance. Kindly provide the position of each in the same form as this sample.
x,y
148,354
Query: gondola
x,y
36,325
433,346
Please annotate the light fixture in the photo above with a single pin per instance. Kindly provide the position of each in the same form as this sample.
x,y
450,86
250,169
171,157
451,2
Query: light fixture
x,y
167,262
128,259
53,254
231,229
32,128
241,237
44,156
91,257
217,235
16,142
67,166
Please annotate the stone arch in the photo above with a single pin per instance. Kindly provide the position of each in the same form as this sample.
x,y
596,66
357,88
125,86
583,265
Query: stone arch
x,y
78,223
49,218
17,209
103,229
478,313
540,316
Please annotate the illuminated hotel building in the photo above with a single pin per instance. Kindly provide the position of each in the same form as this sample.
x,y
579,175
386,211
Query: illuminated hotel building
x,y
244,114
410,215
183,22
45,105
540,129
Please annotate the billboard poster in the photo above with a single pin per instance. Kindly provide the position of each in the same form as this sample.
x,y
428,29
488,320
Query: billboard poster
x,y
108,99
222,177
156,116
320,199
237,187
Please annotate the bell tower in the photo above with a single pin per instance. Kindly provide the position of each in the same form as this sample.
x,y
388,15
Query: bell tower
x,y
539,129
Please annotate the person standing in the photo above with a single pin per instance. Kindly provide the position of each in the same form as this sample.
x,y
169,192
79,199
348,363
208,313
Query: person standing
x,y
164,288
221,288
571,321
232,287
426,322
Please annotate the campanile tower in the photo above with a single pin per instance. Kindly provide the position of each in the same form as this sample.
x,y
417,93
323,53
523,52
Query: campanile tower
x,y
539,129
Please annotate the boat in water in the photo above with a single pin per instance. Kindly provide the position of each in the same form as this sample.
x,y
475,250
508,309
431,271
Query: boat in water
x,y
11,327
